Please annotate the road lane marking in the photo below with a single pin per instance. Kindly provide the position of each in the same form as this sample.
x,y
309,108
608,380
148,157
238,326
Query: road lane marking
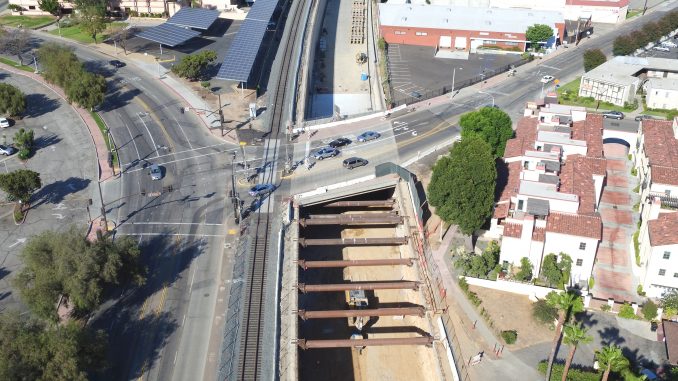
x,y
150,135
134,143
163,295
183,132
158,122
142,313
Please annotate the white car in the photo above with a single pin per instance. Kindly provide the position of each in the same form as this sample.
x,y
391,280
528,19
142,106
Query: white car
x,y
547,78
4,123
669,44
662,48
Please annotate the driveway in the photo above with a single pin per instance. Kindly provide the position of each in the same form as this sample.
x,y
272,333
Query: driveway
x,y
65,159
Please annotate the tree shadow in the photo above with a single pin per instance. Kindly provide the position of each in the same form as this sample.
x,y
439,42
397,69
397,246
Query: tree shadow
x,y
610,335
502,178
3,75
118,97
99,67
3,272
55,192
39,104
638,359
46,141
586,319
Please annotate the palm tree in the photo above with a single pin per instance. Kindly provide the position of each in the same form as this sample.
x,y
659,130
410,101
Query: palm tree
x,y
612,359
575,334
567,303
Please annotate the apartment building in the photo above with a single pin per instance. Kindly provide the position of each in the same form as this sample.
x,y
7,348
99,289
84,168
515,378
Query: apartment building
x,y
657,164
556,173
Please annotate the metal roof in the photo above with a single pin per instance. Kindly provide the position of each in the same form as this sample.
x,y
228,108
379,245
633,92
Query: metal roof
x,y
167,34
242,53
549,179
198,18
537,207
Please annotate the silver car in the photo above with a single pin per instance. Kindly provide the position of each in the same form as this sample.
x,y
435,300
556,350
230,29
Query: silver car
x,y
7,150
156,173
4,123
325,152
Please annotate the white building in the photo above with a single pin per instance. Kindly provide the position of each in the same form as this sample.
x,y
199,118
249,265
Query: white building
x,y
165,7
657,163
556,173
662,93
617,80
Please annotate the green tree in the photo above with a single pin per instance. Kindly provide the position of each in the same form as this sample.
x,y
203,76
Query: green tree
x,y
67,264
649,310
611,359
593,58
87,89
556,272
462,185
538,33
12,100
491,124
543,312
50,6
669,301
92,14
193,66
59,63
479,266
574,334
623,46
30,350
15,42
525,273
20,184
24,141
568,303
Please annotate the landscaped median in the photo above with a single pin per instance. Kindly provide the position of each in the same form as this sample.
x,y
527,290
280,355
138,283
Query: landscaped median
x,y
568,94
107,138
30,22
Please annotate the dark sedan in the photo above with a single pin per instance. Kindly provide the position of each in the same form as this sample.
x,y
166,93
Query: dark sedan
x,y
336,143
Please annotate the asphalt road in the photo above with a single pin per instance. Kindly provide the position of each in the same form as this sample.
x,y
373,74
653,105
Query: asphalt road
x,y
162,330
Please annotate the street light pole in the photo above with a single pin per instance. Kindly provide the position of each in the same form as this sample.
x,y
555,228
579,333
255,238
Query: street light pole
x,y
454,73
491,96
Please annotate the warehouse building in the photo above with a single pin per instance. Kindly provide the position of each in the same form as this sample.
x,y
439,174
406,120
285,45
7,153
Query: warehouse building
x,y
464,29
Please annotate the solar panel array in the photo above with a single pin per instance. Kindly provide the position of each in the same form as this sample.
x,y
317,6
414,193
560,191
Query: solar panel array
x,y
243,51
198,18
167,34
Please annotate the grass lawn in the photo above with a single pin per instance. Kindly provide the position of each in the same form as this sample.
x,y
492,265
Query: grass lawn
x,y
32,22
16,64
633,13
568,95
102,128
75,33
666,114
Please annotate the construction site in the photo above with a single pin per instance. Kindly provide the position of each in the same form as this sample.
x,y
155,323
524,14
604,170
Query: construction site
x,y
357,298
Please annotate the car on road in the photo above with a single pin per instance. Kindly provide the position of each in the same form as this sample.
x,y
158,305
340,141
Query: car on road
x,y
547,78
325,152
415,94
340,142
661,48
368,135
261,190
4,122
638,118
669,44
116,63
613,115
7,150
156,172
354,162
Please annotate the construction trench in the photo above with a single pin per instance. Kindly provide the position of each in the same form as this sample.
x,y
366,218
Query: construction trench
x,y
355,298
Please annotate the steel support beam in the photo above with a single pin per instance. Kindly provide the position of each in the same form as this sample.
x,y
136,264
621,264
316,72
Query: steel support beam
x,y
314,344
354,219
400,285
353,241
331,314
377,203
355,262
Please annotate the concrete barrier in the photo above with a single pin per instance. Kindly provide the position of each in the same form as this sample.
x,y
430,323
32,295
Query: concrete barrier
x,y
512,287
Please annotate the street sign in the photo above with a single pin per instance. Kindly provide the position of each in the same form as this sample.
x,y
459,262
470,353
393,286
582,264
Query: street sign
x,y
557,81
243,143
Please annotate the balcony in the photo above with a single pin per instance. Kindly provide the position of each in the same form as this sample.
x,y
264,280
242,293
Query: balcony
x,y
668,202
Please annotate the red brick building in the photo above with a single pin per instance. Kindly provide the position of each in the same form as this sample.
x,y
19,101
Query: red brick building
x,y
464,28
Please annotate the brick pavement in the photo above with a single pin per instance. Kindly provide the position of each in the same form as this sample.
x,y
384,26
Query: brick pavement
x,y
618,198
623,217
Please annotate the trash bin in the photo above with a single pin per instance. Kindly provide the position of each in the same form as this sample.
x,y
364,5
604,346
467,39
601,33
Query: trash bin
x,y
363,76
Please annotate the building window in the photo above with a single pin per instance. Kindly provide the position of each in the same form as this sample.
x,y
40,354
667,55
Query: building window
x,y
31,7
675,275
399,32
582,245
667,254
520,204
422,34
662,272
510,43
667,193
580,262
489,42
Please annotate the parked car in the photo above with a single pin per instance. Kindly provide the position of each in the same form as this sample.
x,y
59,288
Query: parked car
x,y
261,190
613,115
415,94
7,150
325,152
661,48
4,122
368,135
669,44
354,162
547,78
643,117
336,143
156,172
116,63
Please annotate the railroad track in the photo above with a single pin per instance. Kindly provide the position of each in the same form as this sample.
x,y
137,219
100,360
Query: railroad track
x,y
251,333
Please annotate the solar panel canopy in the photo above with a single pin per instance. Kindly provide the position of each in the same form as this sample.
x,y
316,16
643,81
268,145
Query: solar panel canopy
x,y
167,34
243,51
198,18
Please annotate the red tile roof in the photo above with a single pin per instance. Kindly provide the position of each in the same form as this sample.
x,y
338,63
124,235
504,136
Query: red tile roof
x,y
526,134
538,234
513,230
671,339
576,177
501,210
574,224
599,3
663,230
590,130
661,148
511,187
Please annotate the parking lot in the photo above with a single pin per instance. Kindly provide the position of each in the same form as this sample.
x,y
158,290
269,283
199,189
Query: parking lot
x,y
415,71
660,53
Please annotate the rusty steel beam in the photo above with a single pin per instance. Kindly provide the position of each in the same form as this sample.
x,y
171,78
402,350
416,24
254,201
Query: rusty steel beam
x,y
367,215
400,285
409,311
353,219
378,203
315,344
355,262
353,241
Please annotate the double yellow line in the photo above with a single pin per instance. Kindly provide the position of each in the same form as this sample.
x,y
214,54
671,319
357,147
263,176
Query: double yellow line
x,y
446,123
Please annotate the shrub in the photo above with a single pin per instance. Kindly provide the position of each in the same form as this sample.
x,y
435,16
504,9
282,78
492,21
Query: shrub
x,y
669,312
591,282
634,172
525,273
626,312
509,336
649,310
543,312
574,374
24,154
463,284
640,291
636,248
605,307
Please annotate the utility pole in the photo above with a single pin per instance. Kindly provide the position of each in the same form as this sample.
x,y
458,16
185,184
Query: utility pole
x,y
237,207
644,7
